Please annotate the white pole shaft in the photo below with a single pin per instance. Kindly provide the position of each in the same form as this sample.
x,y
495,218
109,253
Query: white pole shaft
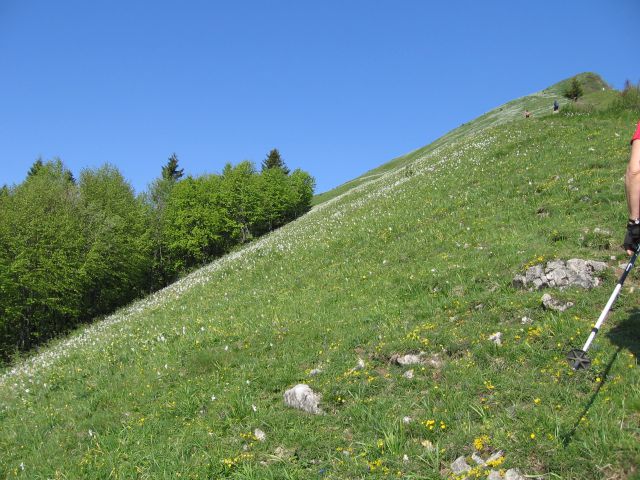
x,y
603,315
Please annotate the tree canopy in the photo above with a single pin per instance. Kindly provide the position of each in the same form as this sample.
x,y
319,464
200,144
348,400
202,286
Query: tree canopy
x,y
74,250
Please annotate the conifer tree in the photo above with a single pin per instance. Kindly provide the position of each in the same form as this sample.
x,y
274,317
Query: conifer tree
x,y
574,91
170,170
35,168
157,198
274,160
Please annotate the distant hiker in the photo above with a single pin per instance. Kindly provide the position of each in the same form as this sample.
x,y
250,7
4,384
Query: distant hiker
x,y
556,106
527,114
632,189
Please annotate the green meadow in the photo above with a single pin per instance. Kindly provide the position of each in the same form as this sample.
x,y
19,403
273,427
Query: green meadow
x,y
417,256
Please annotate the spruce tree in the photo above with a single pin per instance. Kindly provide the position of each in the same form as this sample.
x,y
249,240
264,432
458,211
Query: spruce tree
x,y
574,91
170,170
35,168
274,160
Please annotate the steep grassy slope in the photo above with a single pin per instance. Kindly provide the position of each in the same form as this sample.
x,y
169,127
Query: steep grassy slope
x,y
419,260
597,93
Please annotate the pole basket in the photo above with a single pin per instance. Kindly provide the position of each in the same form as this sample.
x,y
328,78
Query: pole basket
x,y
578,359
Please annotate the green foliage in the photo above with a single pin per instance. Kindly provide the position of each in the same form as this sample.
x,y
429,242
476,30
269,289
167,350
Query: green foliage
x,y
68,252
240,199
196,227
117,244
574,91
274,160
40,236
207,216
170,171
71,251
156,199
302,188
629,99
35,168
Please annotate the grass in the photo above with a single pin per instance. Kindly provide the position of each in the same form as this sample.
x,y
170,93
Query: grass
x,y
419,260
598,95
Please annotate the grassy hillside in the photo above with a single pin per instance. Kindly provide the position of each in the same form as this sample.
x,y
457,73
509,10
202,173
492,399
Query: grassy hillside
x,y
422,259
596,93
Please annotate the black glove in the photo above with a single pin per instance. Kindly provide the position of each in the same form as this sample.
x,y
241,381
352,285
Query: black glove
x,y
632,237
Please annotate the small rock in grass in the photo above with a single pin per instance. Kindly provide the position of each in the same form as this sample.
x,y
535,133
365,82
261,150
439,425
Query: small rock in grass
x,y
496,338
494,475
550,303
406,420
428,445
282,452
477,458
433,361
513,474
409,359
360,365
315,371
303,398
279,455
408,374
421,358
405,458
495,457
526,321
459,466
260,435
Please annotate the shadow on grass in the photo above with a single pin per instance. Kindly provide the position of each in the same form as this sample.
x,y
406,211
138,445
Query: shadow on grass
x,y
626,335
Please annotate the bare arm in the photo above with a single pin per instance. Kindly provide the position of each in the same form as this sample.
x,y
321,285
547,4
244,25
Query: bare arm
x,y
632,181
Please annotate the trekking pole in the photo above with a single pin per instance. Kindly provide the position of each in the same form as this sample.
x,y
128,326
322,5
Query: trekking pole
x,y
578,358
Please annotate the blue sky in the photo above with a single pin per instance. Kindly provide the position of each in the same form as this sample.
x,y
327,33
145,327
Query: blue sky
x,y
339,87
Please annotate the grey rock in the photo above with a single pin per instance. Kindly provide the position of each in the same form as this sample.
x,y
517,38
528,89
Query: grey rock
x,y
513,474
477,458
519,281
539,283
303,398
459,466
554,264
494,475
408,374
534,272
559,274
434,360
601,231
408,359
421,358
496,456
550,303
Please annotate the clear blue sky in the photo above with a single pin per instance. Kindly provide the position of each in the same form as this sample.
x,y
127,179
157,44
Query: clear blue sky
x,y
339,87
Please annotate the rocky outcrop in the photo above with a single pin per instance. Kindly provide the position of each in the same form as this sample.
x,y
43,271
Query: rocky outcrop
x,y
560,274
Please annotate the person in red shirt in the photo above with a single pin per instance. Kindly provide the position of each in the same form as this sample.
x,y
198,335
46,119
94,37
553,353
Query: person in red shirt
x,y
632,189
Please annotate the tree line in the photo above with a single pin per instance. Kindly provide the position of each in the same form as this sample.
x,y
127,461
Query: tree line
x,y
74,249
